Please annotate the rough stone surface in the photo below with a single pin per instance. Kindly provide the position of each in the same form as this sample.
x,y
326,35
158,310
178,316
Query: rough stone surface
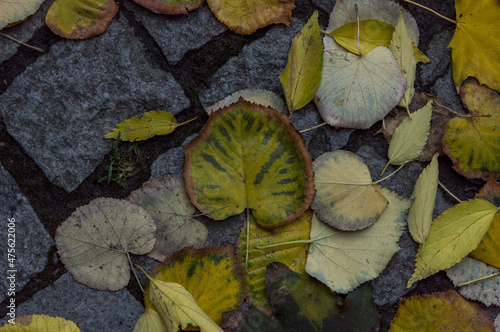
x,y
180,33
91,310
79,91
32,242
171,163
326,5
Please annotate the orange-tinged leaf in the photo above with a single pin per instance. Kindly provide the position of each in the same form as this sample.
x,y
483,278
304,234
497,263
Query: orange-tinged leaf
x,y
170,6
473,143
40,323
246,16
13,11
488,251
440,312
476,42
80,19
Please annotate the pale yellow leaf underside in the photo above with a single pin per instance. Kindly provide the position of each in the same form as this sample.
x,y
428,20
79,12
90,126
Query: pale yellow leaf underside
x,y
16,10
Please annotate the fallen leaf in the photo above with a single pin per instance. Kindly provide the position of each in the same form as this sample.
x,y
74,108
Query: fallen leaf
x,y
167,201
294,256
440,312
249,156
488,251
95,241
302,73
210,274
14,11
476,42
345,197
252,320
170,6
255,96
80,19
473,143
150,321
486,291
424,195
246,16
40,323
453,235
344,260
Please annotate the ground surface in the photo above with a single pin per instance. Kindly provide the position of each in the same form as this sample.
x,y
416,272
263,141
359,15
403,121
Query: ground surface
x,y
56,106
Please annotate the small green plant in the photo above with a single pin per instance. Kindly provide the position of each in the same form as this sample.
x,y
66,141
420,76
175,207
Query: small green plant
x,y
122,165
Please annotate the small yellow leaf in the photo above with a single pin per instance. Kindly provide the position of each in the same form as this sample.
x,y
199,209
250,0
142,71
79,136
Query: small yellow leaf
x,y
40,323
424,194
453,235
302,73
15,11
150,321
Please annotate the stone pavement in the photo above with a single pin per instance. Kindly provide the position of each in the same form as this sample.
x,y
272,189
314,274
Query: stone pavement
x,y
55,108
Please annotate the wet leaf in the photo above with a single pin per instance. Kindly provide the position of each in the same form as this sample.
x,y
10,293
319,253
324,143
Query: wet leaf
x,y
80,19
424,195
17,10
95,240
170,6
345,197
249,156
476,42
440,312
453,235
473,143
167,201
344,260
150,321
246,16
40,323
255,96
302,73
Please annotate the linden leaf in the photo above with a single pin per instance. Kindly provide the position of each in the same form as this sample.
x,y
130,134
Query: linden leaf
x,y
255,96
249,156
410,136
302,73
80,19
440,312
344,260
345,197
168,203
16,10
294,256
150,124
246,16
150,321
468,269
357,91
473,143
95,240
424,194
488,251
453,235
476,42
209,274
40,323
170,6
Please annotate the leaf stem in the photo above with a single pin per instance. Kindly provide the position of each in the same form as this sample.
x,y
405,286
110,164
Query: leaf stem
x,y
478,279
432,11
183,123
248,239
320,125
22,43
388,176
283,244
135,274
357,20
449,192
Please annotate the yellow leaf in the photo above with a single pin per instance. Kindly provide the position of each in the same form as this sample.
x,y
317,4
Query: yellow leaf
x,y
424,194
440,312
473,143
246,16
80,19
302,73
453,235
345,197
170,6
476,42
294,256
410,136
13,11
150,321
40,323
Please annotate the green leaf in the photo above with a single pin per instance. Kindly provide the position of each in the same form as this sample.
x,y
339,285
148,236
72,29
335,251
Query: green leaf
x,y
249,156
170,6
302,74
344,260
424,195
452,236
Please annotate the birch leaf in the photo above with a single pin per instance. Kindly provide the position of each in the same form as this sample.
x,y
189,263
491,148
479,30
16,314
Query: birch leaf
x,y
402,48
453,235
302,73
255,96
150,321
345,197
410,136
40,323
424,194
344,260
17,10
